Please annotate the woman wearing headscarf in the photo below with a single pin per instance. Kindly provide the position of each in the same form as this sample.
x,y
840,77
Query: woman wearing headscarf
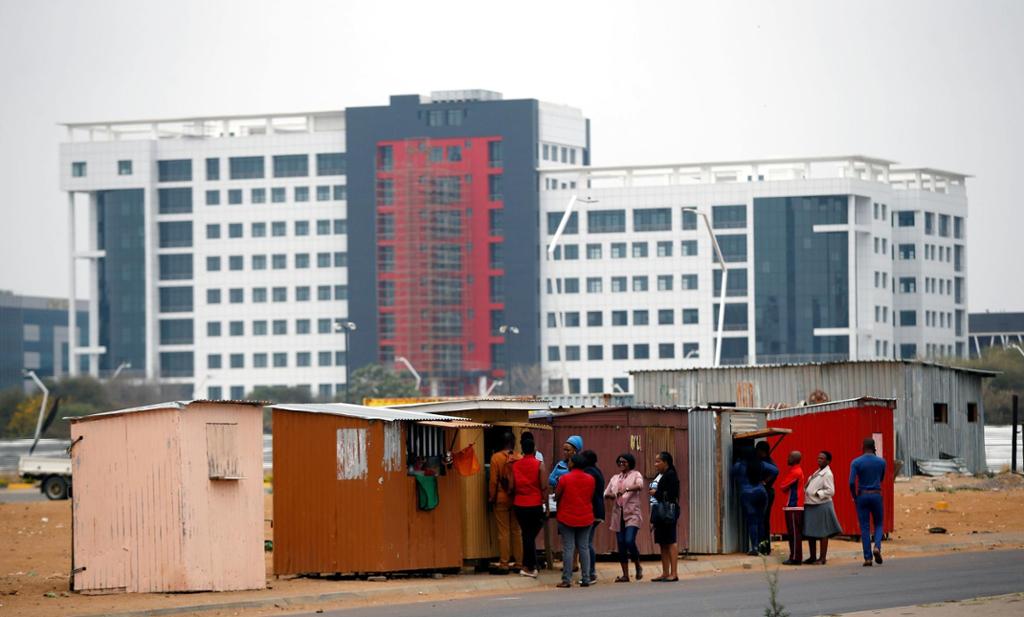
x,y
575,496
624,488
664,492
572,446
820,520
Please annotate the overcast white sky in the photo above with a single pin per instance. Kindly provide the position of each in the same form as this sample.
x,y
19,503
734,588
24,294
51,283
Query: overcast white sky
x,y
925,83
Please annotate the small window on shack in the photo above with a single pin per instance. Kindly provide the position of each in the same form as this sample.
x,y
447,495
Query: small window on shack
x,y
222,451
426,449
972,412
940,413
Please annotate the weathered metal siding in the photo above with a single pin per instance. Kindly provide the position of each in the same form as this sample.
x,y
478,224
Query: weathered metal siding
x,y
916,386
840,429
703,474
146,515
368,524
612,432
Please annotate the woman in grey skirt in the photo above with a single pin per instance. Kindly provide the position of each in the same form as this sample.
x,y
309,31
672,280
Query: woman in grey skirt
x,y
820,520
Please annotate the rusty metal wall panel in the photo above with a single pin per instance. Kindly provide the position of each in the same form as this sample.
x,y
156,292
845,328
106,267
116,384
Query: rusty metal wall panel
x,y
369,524
915,385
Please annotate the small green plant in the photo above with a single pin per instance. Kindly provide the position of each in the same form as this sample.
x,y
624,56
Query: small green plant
x,y
774,608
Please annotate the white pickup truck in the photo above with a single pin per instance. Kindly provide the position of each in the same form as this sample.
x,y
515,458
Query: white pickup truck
x,y
53,471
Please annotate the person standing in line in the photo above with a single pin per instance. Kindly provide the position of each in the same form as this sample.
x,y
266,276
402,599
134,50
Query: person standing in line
x,y
764,452
866,474
500,497
624,488
572,446
792,486
575,494
750,474
529,488
664,490
820,520
590,462
537,453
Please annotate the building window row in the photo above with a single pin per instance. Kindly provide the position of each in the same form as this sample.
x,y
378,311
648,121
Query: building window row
x,y
259,229
933,252
939,286
260,295
595,385
275,359
601,221
278,194
278,261
621,284
559,154
938,319
274,327
640,317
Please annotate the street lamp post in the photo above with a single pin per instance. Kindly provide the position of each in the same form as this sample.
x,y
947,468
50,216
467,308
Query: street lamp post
x,y
408,365
725,281
345,327
507,330
42,406
555,292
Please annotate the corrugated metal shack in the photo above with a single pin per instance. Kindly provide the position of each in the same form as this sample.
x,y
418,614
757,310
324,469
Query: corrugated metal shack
x,y
500,414
839,427
346,491
169,497
939,408
643,432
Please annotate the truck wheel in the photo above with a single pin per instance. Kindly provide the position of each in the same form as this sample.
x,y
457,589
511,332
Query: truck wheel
x,y
55,487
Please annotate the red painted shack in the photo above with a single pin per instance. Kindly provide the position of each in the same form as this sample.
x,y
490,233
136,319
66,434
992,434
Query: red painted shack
x,y
643,432
839,427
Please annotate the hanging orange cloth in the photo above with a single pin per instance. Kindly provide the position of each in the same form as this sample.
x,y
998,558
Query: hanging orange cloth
x,y
465,462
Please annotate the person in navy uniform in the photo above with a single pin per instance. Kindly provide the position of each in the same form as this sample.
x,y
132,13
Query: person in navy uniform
x,y
866,474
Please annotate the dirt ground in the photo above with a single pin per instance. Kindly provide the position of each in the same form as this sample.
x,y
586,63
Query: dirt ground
x,y
35,555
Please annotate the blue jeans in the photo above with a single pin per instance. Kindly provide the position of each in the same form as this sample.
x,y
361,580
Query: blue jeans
x,y
626,538
573,539
869,507
593,553
754,502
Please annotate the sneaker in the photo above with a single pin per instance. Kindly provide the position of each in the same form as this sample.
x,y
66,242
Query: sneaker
x,y
585,583
528,573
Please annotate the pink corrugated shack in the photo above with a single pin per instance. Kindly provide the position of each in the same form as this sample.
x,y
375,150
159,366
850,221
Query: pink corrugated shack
x,y
168,497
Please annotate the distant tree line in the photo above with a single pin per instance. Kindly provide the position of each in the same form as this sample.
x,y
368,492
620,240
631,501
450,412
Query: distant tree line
x,y
997,394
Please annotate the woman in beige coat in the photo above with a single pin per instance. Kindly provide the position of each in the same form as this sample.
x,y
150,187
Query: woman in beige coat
x,y
820,520
625,487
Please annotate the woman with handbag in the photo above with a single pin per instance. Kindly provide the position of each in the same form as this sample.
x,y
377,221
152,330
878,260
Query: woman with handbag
x,y
664,491
624,488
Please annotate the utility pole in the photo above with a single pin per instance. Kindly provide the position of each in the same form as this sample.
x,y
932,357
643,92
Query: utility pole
x,y
1013,437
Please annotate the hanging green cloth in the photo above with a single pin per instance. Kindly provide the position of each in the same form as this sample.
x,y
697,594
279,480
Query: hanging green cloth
x,y
426,491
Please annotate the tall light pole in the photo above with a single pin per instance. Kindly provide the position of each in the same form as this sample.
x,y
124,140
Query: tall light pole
x,y
725,281
556,291
507,331
408,365
42,406
117,371
346,327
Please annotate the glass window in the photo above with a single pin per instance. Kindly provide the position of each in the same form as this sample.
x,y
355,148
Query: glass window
x,y
301,228
908,318
641,351
664,282
691,350
323,193
571,226
259,295
620,318
908,284
301,326
213,360
175,234
213,169
323,292
277,194
259,360
279,294
340,192
259,327
235,262
258,230
595,352
618,250
688,248
234,196
302,293
734,248
175,201
212,231
494,187
691,316
179,170
666,317
340,226
594,318
175,267
236,295
323,227
78,169
553,354
258,196
124,168
666,350
728,217
594,285
323,326
641,317
175,299
237,360
301,260
234,230
958,227
908,252
278,261
618,284
213,296
301,193
330,164
620,352
340,259
944,225
606,221
593,251
213,198
652,219
664,248
213,264
572,353
688,281
213,328
278,228
689,218
494,154
905,218
323,358
735,316
929,223
454,154
291,165
236,328
737,285
639,249
323,260
245,167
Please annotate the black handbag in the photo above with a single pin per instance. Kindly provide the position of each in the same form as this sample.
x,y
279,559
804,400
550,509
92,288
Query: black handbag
x,y
664,513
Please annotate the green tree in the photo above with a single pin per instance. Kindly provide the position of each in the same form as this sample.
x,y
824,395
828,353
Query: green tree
x,y
379,381
278,394
997,394
10,399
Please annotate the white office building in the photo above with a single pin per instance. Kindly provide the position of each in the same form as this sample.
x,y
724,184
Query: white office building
x,y
216,249
825,259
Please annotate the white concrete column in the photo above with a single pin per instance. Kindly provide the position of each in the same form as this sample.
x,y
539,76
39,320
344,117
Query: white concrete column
x,y
152,291
94,286
72,317
853,302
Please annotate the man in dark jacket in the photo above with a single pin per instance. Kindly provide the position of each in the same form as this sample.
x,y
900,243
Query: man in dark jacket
x,y
764,453
598,500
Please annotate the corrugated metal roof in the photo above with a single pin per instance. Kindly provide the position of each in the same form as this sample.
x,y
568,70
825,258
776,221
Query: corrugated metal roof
x,y
847,362
387,414
476,404
178,405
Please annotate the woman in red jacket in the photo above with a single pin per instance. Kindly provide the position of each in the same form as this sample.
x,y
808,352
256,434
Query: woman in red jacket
x,y
574,494
529,489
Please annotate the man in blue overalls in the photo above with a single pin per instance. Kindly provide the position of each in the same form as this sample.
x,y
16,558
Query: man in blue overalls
x,y
866,474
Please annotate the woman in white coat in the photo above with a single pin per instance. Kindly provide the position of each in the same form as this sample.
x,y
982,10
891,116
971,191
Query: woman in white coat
x,y
820,520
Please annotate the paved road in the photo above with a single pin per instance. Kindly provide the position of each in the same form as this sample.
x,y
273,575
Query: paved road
x,y
21,495
804,592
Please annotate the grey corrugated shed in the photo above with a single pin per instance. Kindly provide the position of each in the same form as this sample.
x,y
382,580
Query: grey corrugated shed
x,y
916,386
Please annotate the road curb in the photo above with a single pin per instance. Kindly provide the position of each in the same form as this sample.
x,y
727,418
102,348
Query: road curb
x,y
451,585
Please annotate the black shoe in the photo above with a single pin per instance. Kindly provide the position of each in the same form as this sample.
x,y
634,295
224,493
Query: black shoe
x,y
753,553
792,562
809,561
878,556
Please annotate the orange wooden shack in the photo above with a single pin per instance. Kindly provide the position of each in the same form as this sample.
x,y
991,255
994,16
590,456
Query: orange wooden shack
x,y
352,490
168,497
